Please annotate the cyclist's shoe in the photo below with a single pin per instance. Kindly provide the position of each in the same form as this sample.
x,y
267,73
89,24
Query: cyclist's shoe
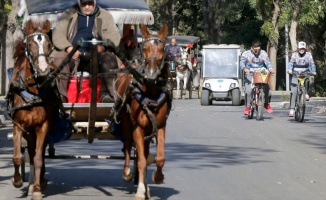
x,y
268,108
246,111
307,97
291,113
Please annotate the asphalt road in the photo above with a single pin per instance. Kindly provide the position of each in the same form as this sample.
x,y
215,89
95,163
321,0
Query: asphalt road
x,y
213,153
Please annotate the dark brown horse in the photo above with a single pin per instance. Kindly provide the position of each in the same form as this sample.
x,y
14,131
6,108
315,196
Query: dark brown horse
x,y
143,103
30,105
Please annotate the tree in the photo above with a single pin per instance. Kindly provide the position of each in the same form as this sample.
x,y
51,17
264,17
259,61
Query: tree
x,y
5,9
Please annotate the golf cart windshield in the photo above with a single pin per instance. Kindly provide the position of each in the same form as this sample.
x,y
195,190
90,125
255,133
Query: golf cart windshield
x,y
221,62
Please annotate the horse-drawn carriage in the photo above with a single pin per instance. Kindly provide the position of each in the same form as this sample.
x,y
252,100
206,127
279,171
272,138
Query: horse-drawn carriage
x,y
137,88
186,74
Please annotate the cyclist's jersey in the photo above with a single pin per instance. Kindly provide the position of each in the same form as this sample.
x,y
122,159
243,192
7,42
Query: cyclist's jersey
x,y
250,60
302,64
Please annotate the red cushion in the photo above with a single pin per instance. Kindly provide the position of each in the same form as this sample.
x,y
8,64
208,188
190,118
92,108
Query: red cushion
x,y
84,95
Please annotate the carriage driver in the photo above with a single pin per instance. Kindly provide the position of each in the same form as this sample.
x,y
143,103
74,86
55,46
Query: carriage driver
x,y
255,58
173,50
86,20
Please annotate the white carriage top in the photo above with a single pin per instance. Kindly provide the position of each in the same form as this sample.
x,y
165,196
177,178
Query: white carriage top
x,y
123,11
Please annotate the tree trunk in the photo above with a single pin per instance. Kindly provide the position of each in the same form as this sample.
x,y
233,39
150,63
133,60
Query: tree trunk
x,y
293,28
274,44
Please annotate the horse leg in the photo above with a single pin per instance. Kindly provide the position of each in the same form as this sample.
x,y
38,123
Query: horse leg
x,y
185,81
38,161
17,180
158,176
141,161
178,87
127,136
31,153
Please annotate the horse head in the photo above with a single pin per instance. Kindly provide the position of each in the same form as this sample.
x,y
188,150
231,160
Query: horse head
x,y
38,47
184,55
153,52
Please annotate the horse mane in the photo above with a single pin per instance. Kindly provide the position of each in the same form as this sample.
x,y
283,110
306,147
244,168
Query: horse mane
x,y
19,52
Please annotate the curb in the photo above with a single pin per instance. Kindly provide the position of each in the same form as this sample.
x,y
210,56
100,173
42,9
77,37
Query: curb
x,y
309,108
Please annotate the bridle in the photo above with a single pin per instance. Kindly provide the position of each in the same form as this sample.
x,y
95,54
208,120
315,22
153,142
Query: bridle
x,y
154,57
40,39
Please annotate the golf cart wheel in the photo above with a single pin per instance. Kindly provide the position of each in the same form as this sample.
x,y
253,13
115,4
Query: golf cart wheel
x,y
204,100
236,101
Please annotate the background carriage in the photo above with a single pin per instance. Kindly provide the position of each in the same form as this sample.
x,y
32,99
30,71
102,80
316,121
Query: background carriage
x,y
89,119
192,45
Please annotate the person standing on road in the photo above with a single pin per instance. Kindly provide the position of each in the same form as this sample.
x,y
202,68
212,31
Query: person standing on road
x,y
255,58
86,20
301,61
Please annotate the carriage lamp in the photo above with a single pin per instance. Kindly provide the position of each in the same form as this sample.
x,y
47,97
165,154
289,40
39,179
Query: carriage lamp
x,y
232,85
207,85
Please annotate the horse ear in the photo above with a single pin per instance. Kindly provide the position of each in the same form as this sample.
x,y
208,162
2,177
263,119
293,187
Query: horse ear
x,y
29,27
46,27
163,32
144,31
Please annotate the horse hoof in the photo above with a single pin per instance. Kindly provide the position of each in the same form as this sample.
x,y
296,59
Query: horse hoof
x,y
17,184
44,184
37,196
150,159
157,178
128,177
139,197
148,193
30,189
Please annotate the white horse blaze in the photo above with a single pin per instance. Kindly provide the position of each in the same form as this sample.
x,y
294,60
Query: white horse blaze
x,y
43,65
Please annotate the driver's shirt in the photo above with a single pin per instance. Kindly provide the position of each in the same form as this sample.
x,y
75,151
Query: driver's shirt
x,y
302,63
172,50
250,60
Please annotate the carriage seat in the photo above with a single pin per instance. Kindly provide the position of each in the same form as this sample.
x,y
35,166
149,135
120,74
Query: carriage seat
x,y
79,90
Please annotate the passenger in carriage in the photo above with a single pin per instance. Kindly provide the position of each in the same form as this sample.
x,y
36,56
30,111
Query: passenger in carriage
x,y
86,20
173,50
129,45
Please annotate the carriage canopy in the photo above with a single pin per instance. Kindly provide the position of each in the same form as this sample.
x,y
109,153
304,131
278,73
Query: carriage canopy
x,y
123,11
184,41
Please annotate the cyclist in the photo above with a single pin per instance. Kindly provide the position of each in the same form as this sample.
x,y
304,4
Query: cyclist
x,y
301,61
255,58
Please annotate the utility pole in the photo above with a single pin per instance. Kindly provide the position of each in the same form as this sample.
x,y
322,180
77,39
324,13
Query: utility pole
x,y
173,17
287,78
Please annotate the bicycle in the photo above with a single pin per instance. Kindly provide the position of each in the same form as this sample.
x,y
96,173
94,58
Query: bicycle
x,y
300,99
260,79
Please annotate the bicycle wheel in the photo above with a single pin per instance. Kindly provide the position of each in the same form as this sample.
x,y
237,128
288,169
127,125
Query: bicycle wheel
x,y
302,105
252,104
260,104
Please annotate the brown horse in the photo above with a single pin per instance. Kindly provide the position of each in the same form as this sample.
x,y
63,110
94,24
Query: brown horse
x,y
30,104
143,104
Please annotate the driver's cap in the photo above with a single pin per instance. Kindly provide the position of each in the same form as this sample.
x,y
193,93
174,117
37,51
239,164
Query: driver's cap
x,y
302,45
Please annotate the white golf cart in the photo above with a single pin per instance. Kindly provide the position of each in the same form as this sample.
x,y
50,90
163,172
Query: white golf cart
x,y
221,76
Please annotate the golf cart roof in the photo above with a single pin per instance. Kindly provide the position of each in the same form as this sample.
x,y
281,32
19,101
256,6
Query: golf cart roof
x,y
222,46
183,40
123,11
